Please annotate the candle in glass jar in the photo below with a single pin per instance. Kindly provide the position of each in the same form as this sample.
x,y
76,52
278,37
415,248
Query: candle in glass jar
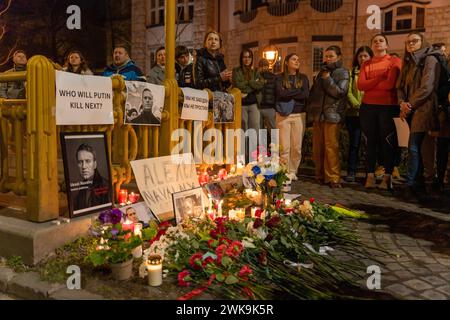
x,y
154,270
133,197
123,196
137,252
222,174
232,214
219,208
211,214
240,214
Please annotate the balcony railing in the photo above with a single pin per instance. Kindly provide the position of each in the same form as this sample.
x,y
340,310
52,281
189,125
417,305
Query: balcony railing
x,y
326,5
282,9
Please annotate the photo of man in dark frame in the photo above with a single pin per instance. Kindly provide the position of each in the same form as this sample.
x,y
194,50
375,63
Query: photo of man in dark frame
x,y
93,189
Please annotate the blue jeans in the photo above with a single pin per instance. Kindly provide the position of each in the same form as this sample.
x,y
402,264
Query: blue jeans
x,y
353,125
414,175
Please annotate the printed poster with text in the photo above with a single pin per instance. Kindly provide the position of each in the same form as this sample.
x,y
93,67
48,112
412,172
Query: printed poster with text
x,y
83,99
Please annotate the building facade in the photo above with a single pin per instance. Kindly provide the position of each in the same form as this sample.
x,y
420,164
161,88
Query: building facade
x,y
306,27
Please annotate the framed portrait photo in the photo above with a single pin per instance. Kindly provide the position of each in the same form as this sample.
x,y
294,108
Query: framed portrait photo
x,y
223,107
145,103
139,213
188,203
87,172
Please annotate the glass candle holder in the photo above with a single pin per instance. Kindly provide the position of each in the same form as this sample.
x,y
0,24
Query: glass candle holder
x,y
123,196
154,270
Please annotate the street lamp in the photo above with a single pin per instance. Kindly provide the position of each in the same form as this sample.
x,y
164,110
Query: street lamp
x,y
270,53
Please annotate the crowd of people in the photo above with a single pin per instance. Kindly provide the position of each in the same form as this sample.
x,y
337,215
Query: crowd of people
x,y
365,99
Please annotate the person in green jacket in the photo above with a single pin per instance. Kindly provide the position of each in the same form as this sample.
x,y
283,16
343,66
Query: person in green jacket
x,y
248,80
352,121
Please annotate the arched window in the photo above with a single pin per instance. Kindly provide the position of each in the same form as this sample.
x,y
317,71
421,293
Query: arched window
x,y
326,5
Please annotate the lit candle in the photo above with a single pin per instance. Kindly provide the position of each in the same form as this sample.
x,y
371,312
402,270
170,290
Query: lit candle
x,y
222,174
232,214
133,197
211,214
128,225
240,168
154,270
137,252
203,178
287,202
123,195
210,203
219,209
240,214
248,193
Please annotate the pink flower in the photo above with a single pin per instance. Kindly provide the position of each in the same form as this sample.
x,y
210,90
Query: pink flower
x,y
245,271
196,260
182,278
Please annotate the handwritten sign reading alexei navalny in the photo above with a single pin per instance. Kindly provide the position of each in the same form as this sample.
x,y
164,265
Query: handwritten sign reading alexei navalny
x,y
195,106
158,178
82,99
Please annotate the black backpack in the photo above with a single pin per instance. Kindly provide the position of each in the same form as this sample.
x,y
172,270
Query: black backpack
x,y
443,88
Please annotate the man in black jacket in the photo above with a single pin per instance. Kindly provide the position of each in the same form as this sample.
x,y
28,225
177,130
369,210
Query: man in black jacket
x,y
93,189
150,111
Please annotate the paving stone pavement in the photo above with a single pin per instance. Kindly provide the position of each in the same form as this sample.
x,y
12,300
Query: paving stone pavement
x,y
417,267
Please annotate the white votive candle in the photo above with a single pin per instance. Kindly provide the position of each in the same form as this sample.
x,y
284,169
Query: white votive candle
x,y
154,270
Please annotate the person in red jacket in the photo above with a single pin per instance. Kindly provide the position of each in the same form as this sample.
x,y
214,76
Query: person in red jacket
x,y
378,79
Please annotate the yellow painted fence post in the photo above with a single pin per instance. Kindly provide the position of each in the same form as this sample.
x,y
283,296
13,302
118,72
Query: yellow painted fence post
x,y
42,173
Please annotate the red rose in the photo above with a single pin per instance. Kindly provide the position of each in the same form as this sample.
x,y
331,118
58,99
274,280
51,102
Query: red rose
x,y
273,222
245,271
247,292
278,203
213,234
196,260
257,223
269,237
182,278
311,200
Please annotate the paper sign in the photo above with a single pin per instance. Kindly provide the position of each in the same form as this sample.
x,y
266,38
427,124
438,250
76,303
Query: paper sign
x,y
83,99
159,178
402,132
195,105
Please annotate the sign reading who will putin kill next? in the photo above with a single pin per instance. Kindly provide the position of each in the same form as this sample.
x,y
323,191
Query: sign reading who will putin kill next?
x,y
83,99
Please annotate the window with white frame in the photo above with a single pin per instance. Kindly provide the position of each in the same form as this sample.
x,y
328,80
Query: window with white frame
x,y
185,10
404,17
156,12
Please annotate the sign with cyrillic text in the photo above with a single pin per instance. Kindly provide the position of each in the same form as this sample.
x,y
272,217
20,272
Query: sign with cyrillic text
x,y
83,99
195,105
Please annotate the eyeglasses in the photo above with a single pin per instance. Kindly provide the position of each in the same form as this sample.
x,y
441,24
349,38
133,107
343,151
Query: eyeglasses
x,y
413,41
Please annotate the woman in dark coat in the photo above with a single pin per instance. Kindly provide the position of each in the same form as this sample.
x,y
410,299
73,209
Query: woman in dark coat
x,y
210,71
418,101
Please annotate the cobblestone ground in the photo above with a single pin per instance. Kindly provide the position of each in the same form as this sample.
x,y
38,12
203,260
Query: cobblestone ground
x,y
417,238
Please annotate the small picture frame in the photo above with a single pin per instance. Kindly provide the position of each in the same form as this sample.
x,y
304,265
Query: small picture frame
x,y
223,107
214,190
87,172
139,213
188,203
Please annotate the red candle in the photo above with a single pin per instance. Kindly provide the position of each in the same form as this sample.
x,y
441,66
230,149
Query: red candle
x,y
203,178
123,195
133,197
128,225
222,174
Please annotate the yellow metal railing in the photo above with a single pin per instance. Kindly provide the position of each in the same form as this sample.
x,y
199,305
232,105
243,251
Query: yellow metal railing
x,y
30,124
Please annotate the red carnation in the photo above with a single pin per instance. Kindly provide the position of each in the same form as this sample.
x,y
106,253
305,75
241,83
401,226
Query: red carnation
x,y
278,203
224,240
182,278
208,260
248,292
235,249
213,234
212,243
245,271
196,260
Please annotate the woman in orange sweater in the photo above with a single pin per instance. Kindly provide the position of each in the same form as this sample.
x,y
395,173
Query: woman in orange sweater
x,y
378,79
